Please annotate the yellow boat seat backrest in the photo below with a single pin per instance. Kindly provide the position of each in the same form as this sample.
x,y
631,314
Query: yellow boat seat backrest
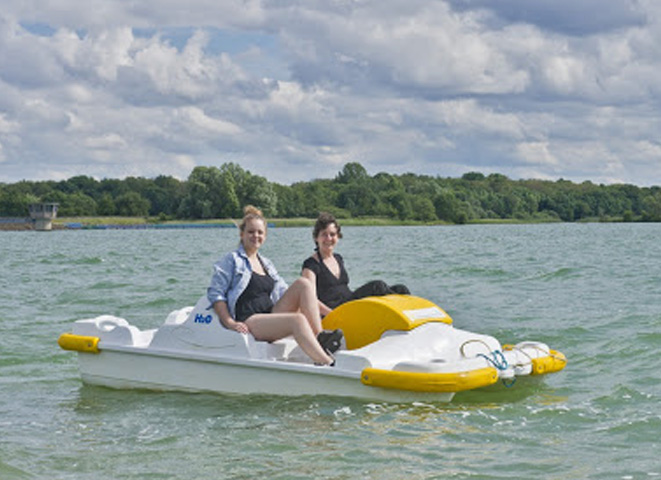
x,y
364,321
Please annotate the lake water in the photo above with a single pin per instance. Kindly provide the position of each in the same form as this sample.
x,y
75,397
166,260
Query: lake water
x,y
592,291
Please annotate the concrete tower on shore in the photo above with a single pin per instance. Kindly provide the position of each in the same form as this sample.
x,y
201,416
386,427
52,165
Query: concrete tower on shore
x,y
42,215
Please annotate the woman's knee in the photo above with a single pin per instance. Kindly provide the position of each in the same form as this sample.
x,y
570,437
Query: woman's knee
x,y
303,283
299,321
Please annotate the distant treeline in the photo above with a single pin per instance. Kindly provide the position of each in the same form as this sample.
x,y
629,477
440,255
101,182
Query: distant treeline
x,y
221,192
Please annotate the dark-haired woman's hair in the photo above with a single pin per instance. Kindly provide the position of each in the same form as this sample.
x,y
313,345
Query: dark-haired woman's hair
x,y
323,221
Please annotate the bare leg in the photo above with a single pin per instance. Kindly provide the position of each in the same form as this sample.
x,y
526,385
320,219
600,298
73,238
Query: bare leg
x,y
274,326
301,296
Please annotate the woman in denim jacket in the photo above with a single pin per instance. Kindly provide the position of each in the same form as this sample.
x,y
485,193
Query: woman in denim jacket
x,y
249,296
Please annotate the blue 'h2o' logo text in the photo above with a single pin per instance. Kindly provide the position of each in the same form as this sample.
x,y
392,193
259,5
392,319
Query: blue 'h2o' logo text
x,y
199,318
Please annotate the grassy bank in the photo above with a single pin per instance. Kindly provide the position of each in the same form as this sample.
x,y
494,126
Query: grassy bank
x,y
156,222
92,222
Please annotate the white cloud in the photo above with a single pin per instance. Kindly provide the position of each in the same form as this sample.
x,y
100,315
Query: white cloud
x,y
649,150
100,14
196,117
426,48
117,88
184,163
7,126
110,141
536,153
470,117
564,75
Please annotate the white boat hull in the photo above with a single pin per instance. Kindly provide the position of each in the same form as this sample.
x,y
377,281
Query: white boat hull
x,y
125,370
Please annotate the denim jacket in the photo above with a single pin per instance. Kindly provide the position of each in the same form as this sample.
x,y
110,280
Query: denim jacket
x,y
231,277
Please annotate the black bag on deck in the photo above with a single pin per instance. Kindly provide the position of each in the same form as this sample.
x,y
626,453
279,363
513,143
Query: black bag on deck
x,y
377,288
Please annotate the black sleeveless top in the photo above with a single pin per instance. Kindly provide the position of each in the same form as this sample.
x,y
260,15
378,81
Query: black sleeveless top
x,y
256,298
331,290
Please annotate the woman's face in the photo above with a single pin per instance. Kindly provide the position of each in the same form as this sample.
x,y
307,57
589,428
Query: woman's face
x,y
328,237
253,234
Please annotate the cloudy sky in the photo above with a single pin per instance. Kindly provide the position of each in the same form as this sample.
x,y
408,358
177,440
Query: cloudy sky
x,y
293,90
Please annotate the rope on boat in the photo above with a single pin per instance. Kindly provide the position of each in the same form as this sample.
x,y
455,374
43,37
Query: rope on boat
x,y
499,361
509,384
495,358
522,352
461,349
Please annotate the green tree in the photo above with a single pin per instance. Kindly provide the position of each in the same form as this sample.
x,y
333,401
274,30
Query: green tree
x,y
113,187
401,204
195,203
447,206
652,207
132,204
251,189
106,205
15,201
165,194
423,209
473,176
81,183
290,202
259,192
72,205
352,173
316,196
358,198
210,193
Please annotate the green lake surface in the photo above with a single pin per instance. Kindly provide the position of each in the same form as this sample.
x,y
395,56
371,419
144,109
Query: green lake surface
x,y
592,291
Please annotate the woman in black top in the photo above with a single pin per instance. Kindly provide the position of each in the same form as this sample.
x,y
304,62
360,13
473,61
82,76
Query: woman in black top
x,y
331,279
326,269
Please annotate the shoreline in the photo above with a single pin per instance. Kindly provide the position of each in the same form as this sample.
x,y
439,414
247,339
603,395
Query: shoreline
x,y
135,223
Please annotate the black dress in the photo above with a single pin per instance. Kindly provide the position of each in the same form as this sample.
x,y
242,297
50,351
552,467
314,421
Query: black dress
x,y
256,298
331,290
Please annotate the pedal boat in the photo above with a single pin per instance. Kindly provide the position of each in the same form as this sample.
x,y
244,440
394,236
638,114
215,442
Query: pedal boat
x,y
395,348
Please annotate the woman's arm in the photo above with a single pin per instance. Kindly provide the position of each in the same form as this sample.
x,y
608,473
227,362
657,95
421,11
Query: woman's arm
x,y
221,280
226,319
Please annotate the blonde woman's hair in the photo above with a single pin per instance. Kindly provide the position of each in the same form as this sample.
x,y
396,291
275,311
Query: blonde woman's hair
x,y
251,212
